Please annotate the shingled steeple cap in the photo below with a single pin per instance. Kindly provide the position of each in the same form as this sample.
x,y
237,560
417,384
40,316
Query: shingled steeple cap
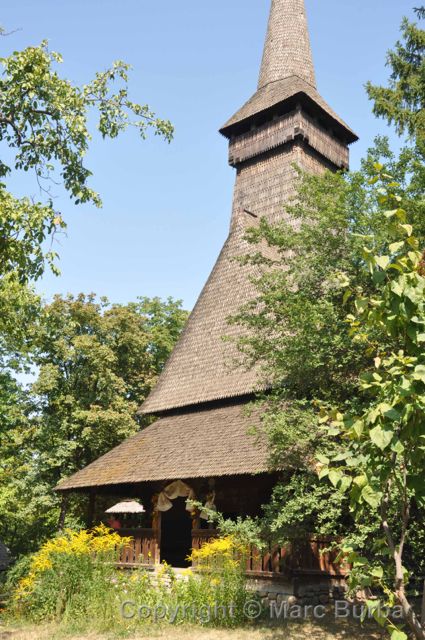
x,y
287,50
287,72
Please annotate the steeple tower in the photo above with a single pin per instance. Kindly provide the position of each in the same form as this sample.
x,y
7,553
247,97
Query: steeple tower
x,y
200,396
286,122
287,50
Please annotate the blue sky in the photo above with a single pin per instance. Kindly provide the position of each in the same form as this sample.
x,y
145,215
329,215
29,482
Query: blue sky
x,y
167,207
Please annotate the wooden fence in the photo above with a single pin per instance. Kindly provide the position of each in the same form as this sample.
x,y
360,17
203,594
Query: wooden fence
x,y
143,549
317,555
314,556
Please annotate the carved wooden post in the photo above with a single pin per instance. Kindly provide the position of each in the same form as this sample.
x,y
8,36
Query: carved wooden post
x,y
156,527
63,511
91,508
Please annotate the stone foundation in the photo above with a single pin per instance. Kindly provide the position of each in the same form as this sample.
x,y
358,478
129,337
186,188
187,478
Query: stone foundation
x,y
272,590
319,592
305,591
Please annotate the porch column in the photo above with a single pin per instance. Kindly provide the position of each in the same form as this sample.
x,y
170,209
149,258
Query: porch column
x,y
91,508
156,528
63,511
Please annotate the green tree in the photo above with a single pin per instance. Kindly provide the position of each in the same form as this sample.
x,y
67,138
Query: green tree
x,y
14,411
44,125
381,447
298,330
402,102
44,130
96,363
381,458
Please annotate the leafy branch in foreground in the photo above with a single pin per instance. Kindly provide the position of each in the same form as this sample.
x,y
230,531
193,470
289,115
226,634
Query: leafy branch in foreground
x,y
378,453
44,123
45,117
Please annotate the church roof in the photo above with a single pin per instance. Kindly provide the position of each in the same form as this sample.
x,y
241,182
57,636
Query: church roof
x,y
202,367
277,92
209,442
201,395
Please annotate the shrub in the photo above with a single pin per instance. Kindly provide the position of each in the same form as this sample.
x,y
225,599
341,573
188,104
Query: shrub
x,y
220,580
74,580
16,572
66,572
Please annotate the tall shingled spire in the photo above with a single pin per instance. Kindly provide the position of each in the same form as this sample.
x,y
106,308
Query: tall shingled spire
x,y
201,395
285,122
286,75
287,50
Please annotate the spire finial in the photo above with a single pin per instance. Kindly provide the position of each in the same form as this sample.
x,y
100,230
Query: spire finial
x,y
287,50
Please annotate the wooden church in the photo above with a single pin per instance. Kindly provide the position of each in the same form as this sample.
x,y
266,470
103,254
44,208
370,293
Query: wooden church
x,y
199,446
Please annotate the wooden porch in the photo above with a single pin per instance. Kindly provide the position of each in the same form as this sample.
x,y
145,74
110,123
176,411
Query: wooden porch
x,y
308,558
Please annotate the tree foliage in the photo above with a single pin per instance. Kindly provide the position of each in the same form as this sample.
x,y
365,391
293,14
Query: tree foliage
x,y
96,363
380,456
402,102
304,514
337,327
44,125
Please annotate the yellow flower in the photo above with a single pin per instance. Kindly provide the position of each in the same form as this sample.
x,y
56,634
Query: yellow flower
x,y
100,540
226,551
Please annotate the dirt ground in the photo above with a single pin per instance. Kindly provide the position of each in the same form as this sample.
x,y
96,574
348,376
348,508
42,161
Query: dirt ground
x,y
326,630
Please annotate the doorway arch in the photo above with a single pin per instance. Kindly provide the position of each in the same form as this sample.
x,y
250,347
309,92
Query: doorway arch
x,y
176,534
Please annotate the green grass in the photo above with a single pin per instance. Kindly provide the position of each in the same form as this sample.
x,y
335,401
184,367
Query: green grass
x,y
325,630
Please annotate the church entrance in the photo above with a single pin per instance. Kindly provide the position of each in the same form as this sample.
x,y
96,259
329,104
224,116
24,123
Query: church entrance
x,y
176,534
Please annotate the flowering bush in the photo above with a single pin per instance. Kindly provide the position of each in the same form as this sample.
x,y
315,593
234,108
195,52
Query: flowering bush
x,y
220,553
74,579
220,581
65,570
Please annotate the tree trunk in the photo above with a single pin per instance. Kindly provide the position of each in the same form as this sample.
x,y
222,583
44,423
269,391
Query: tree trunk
x,y
423,607
63,512
412,619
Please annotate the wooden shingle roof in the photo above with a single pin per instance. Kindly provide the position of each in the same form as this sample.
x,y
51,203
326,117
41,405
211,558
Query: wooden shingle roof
x,y
287,50
203,430
202,367
209,442
287,68
278,92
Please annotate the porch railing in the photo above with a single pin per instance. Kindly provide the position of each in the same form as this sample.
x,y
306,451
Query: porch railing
x,y
314,556
317,555
143,549
200,536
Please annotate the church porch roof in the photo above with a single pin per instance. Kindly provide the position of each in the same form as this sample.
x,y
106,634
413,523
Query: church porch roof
x,y
208,442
